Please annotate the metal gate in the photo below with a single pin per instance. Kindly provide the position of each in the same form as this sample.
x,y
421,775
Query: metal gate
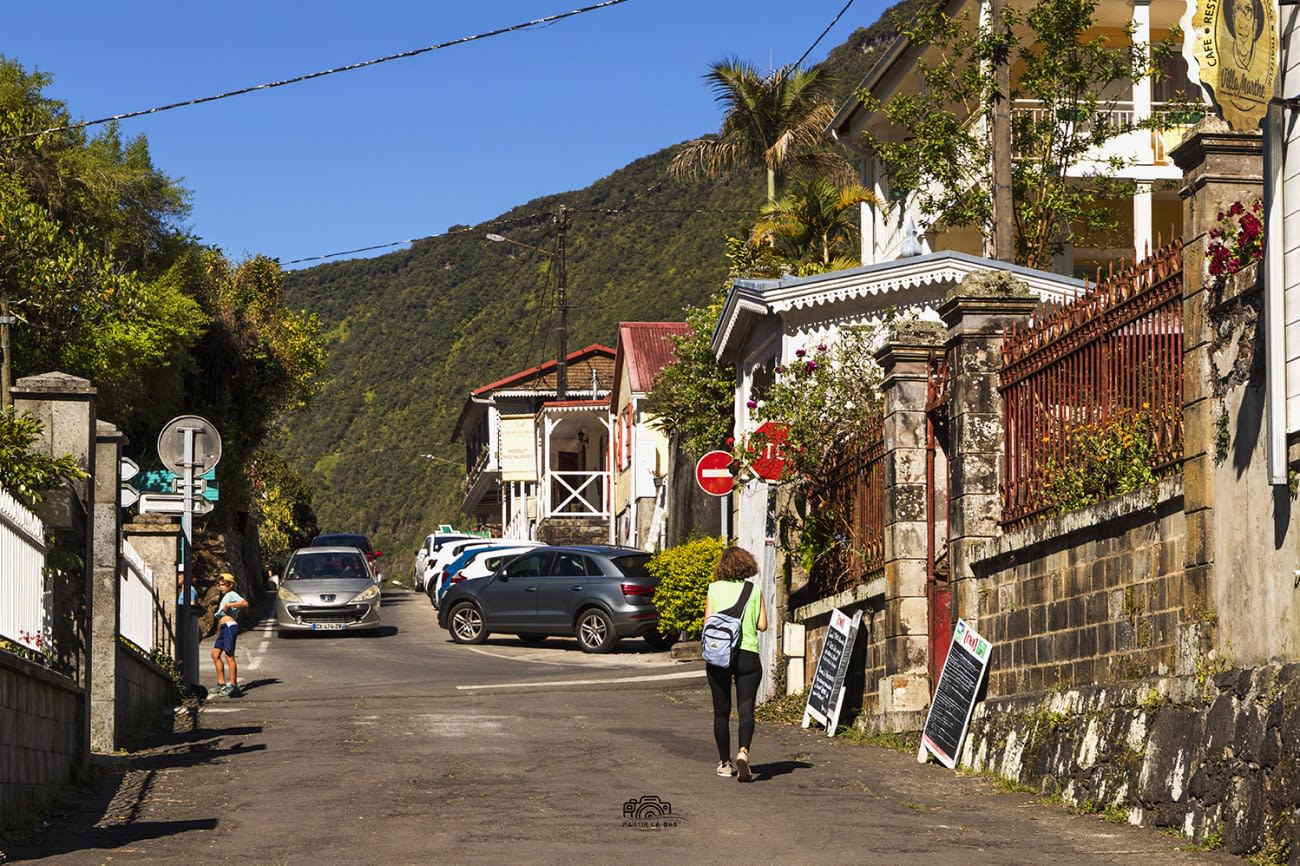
x,y
938,584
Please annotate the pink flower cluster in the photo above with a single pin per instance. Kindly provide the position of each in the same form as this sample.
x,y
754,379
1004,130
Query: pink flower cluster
x,y
1238,241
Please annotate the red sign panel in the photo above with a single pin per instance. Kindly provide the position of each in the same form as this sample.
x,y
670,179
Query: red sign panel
x,y
713,473
770,437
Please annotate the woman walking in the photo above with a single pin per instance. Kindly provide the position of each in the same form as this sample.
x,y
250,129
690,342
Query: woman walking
x,y
734,567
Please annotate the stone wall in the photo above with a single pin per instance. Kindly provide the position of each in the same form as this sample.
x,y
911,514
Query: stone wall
x,y
144,692
42,719
1216,758
1097,595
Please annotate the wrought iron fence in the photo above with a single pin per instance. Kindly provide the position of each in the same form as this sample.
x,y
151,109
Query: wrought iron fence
x,y
853,499
1106,366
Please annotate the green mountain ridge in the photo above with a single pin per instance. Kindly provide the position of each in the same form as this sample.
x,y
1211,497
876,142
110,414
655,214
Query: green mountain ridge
x,y
411,333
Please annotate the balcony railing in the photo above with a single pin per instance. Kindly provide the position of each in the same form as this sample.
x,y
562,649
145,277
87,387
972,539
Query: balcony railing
x,y
577,494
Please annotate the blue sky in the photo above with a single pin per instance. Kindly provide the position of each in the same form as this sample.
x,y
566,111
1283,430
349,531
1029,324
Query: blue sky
x,y
408,148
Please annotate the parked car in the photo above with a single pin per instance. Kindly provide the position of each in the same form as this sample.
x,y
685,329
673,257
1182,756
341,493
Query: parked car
x,y
597,593
447,554
433,543
475,563
351,539
326,589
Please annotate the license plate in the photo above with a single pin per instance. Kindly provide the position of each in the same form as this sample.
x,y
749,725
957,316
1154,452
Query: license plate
x,y
327,626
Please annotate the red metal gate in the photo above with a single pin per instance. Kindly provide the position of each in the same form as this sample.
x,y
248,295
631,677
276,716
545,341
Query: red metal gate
x,y
938,585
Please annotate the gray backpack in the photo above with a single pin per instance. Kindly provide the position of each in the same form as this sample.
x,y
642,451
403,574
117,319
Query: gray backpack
x,y
720,639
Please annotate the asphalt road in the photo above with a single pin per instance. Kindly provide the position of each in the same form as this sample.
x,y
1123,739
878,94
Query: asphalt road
x,y
406,748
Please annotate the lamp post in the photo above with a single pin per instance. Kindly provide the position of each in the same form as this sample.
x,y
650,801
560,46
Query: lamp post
x,y
561,299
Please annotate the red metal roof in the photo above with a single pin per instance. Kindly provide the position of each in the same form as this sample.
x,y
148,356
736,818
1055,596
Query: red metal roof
x,y
542,377
645,348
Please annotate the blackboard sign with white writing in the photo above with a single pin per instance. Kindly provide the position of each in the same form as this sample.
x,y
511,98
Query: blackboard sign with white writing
x,y
954,698
826,695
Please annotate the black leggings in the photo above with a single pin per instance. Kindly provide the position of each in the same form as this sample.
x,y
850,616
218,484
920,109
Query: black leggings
x,y
749,670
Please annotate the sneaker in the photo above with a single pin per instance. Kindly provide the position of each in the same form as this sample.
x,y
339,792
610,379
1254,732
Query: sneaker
x,y
220,691
234,692
725,769
742,766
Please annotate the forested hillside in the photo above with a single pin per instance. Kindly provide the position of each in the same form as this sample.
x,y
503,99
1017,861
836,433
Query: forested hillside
x,y
410,334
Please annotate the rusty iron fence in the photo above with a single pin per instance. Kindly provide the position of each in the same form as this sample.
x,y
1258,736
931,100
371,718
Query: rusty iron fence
x,y
1113,355
854,497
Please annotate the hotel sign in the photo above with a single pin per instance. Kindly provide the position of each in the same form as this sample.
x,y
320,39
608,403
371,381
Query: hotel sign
x,y
1236,50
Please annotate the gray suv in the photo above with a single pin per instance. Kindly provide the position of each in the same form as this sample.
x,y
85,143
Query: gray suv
x,y
597,593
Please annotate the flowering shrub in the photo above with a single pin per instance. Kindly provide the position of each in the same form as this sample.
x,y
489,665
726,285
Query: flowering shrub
x,y
1238,240
1103,459
34,646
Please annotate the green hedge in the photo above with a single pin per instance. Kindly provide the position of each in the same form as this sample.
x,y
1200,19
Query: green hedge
x,y
684,573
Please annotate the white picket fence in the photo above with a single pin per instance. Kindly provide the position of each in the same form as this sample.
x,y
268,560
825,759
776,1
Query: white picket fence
x,y
25,606
135,599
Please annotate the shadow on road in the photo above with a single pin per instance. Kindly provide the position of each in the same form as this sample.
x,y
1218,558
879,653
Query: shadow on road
x,y
763,772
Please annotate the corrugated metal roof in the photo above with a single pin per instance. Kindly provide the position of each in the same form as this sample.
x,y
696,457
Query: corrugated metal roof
x,y
644,349
542,377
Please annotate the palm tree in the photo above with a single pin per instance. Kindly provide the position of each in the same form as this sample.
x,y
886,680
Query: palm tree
x,y
775,120
817,223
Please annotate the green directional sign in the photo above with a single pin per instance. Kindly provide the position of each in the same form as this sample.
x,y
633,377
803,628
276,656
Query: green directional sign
x,y
165,481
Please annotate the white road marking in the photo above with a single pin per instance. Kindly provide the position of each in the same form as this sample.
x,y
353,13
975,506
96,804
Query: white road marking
x,y
552,683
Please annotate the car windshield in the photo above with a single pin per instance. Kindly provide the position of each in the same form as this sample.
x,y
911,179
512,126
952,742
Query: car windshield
x,y
315,566
358,541
633,565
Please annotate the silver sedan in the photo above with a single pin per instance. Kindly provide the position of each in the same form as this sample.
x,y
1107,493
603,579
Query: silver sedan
x,y
327,589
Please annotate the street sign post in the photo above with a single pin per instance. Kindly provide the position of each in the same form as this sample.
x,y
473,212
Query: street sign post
x,y
189,446
713,473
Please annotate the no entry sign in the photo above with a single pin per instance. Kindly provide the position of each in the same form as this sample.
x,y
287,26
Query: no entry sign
x,y
713,473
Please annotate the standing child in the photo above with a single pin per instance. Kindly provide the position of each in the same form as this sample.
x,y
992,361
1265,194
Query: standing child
x,y
223,651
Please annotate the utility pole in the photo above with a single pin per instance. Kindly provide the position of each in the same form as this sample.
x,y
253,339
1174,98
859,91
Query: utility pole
x,y
562,313
6,320
1004,247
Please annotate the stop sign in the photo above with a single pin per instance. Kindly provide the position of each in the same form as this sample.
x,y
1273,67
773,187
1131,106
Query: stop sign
x,y
769,462
713,473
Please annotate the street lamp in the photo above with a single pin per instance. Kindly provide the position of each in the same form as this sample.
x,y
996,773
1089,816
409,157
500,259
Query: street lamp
x,y
562,304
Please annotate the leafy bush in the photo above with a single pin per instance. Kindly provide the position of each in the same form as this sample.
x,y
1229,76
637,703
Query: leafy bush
x,y
684,573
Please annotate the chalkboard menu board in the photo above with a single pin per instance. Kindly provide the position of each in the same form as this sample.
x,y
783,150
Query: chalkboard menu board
x,y
954,698
826,695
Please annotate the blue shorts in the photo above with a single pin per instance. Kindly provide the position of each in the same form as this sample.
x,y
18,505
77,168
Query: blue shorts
x,y
226,638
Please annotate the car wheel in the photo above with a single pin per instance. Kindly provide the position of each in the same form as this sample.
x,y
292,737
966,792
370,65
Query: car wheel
x,y
531,638
658,641
465,622
595,631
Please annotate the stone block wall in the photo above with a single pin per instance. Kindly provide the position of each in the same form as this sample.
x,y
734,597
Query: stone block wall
x,y
144,692
1212,757
1096,596
42,718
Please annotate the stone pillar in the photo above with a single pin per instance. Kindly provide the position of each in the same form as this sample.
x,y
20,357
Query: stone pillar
x,y
155,538
106,540
1219,167
905,363
977,314
66,407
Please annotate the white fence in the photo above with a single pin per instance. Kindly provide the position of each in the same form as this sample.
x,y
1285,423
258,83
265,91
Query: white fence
x,y
135,599
24,604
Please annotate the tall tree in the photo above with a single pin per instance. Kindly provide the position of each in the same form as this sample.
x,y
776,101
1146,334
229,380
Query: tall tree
x,y
1073,75
815,226
774,120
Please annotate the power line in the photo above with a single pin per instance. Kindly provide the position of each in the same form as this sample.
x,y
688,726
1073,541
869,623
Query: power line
x,y
818,40
536,22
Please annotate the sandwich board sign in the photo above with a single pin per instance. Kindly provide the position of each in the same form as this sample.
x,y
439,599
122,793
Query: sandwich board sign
x,y
826,695
954,697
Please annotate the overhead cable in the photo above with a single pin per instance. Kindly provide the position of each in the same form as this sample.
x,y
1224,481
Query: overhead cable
x,y
549,19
